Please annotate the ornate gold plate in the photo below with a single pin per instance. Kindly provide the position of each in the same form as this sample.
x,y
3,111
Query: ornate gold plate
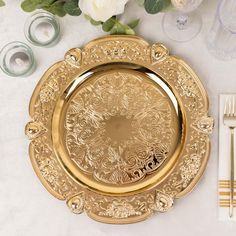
x,y
119,129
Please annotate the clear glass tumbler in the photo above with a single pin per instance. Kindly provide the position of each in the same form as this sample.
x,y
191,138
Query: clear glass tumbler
x,y
17,59
42,29
221,40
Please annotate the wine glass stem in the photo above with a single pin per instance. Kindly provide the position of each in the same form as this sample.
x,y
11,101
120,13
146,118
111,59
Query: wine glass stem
x,y
182,21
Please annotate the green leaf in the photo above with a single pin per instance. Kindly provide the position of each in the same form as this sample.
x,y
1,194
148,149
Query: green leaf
x,y
42,3
109,24
94,22
140,2
87,17
155,6
56,8
129,31
71,7
29,5
2,3
48,2
53,6
120,28
133,23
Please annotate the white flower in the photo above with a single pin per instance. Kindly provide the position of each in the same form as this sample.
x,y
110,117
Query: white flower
x,y
102,10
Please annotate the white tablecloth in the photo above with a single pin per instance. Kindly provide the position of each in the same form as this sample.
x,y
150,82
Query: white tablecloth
x,y
27,209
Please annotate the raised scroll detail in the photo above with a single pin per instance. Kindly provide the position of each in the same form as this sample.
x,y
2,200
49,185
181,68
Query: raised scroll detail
x,y
163,202
50,170
158,52
149,155
76,203
34,129
205,124
120,128
74,57
115,50
120,207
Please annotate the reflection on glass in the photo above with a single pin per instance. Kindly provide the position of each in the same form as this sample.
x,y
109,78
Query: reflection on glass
x,y
183,23
221,40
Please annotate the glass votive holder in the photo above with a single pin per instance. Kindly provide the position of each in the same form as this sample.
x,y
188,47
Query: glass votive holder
x,y
42,29
17,59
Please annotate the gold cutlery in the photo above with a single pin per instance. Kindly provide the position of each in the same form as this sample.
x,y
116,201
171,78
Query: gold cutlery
x,y
230,122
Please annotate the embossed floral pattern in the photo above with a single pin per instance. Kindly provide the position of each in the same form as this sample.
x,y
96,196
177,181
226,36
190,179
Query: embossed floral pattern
x,y
118,209
149,135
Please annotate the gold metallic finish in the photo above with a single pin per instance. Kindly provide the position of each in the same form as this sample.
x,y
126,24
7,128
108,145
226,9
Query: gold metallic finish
x,y
131,129
76,203
225,193
119,129
225,184
225,201
230,122
34,129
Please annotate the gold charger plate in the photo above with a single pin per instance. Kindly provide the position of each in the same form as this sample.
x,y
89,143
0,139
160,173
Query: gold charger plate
x,y
119,129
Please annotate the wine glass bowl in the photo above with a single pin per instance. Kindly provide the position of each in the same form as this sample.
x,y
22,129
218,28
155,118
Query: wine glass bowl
x,y
183,23
186,5
221,39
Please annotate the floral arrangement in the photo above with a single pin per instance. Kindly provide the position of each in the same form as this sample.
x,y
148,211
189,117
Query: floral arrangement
x,y
98,12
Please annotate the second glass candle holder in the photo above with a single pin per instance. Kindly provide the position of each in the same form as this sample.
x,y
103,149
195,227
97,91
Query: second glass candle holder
x,y
42,29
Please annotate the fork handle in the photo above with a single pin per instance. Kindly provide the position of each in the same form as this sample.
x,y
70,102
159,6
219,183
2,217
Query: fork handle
x,y
231,201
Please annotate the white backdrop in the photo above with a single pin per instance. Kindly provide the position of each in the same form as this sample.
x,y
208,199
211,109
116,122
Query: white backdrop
x,y
27,209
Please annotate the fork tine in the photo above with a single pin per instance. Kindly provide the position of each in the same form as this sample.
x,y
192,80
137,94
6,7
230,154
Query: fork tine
x,y
234,109
232,105
228,106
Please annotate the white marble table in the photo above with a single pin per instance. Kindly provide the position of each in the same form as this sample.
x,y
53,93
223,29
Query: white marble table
x,y
27,209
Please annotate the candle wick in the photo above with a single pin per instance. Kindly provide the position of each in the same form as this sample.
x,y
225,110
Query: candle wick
x,y
46,33
19,61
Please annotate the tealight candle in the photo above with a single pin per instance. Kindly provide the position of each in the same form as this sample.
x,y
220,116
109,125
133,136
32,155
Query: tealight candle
x,y
44,32
42,29
17,59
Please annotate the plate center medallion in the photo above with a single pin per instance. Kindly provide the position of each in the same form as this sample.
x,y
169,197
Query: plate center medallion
x,y
120,127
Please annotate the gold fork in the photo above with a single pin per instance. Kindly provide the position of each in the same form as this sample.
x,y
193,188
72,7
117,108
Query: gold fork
x,y
230,122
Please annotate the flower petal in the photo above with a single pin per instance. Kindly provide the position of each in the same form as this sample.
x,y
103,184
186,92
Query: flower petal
x,y
102,10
